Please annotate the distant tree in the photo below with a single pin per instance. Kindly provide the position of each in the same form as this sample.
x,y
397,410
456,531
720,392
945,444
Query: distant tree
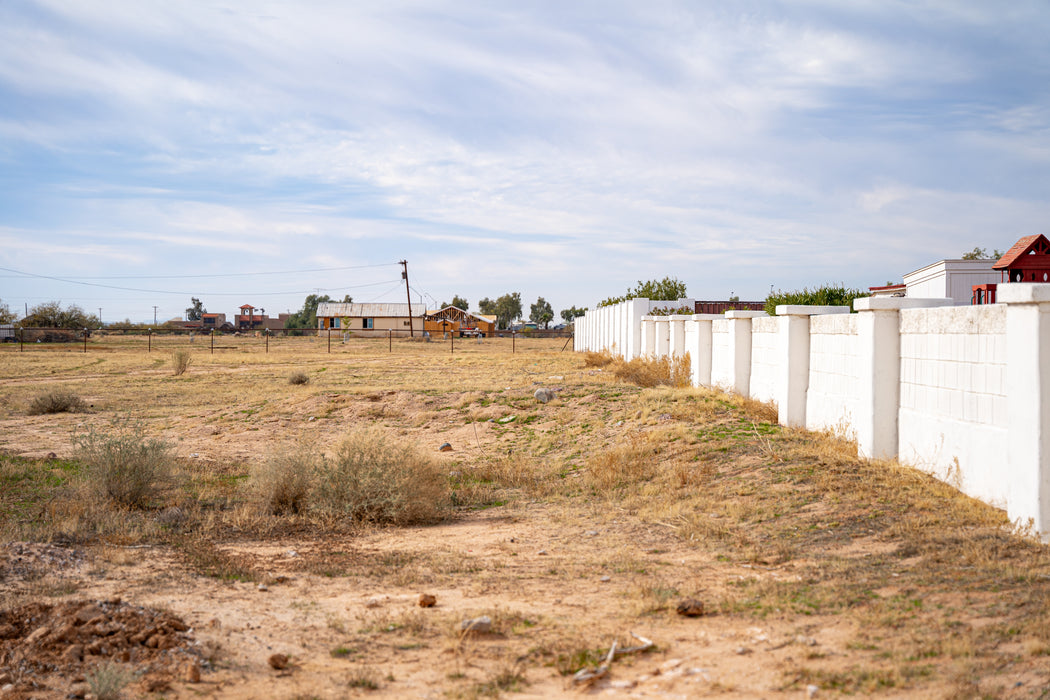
x,y
460,303
194,312
306,317
541,312
667,289
982,254
507,308
570,314
6,315
487,307
734,297
51,315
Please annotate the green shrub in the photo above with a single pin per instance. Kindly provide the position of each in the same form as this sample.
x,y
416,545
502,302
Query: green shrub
x,y
122,464
373,479
281,485
57,401
821,296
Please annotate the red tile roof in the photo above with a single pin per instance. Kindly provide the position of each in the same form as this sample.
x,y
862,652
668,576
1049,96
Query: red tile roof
x,y
1020,249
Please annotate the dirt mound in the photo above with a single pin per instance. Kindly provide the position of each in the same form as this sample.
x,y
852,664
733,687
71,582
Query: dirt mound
x,y
56,648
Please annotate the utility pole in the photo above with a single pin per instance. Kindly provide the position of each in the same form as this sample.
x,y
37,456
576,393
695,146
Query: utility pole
x,y
100,316
154,315
408,293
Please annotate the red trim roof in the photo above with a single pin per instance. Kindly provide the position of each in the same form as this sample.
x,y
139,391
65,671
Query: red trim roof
x,y
1020,249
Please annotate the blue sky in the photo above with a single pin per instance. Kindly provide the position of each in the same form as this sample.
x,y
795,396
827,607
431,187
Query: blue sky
x,y
239,151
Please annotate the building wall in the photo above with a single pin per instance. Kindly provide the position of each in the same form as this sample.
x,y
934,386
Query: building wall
x,y
831,399
953,412
962,392
765,358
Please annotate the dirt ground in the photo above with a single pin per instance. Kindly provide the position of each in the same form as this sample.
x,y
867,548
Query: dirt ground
x,y
335,613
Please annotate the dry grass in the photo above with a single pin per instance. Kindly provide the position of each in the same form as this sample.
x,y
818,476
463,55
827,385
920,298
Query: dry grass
x,y
180,362
935,592
375,478
122,465
56,401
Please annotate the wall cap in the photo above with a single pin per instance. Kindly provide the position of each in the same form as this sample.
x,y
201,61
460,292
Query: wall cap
x,y
800,310
898,303
1023,293
707,317
745,314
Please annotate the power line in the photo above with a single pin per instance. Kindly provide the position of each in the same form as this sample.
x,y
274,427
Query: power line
x,y
196,293
188,277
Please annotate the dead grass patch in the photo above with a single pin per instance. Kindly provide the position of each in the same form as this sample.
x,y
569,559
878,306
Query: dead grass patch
x,y
56,401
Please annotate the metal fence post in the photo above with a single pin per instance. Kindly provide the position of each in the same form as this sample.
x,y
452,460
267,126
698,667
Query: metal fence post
x,y
149,340
329,340
85,340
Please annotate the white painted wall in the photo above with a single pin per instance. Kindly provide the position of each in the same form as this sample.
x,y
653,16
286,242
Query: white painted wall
x,y
766,358
953,403
961,392
831,401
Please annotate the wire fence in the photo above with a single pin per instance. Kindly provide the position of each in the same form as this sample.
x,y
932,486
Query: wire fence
x,y
316,340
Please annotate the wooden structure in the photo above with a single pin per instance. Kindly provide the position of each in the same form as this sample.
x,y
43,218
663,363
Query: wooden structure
x,y
1028,260
453,319
720,307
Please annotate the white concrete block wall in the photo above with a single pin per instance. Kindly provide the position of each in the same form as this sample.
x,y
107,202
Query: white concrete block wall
x,y
721,355
953,401
765,358
831,400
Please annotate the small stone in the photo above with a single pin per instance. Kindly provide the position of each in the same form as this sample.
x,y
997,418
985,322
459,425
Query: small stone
x,y
605,579
741,651
622,685
542,552
592,533
427,601
479,625
445,447
811,691
263,587
291,553
690,607
278,661
191,672
808,641
38,634
73,653
79,690
544,395
507,419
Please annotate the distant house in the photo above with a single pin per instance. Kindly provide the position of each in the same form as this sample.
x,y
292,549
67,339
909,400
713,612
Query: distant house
x,y
249,320
370,319
211,322
453,319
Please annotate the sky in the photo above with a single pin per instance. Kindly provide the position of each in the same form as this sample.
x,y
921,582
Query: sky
x,y
254,152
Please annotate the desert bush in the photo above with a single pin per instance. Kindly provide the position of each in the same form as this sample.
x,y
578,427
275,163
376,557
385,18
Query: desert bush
x,y
56,401
180,362
630,463
375,479
597,359
650,372
281,485
107,680
298,378
122,464
827,295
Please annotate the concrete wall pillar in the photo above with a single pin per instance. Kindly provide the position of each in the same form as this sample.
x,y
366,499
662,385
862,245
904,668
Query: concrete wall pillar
x,y
699,346
648,346
879,375
793,382
663,336
676,339
740,348
1028,403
